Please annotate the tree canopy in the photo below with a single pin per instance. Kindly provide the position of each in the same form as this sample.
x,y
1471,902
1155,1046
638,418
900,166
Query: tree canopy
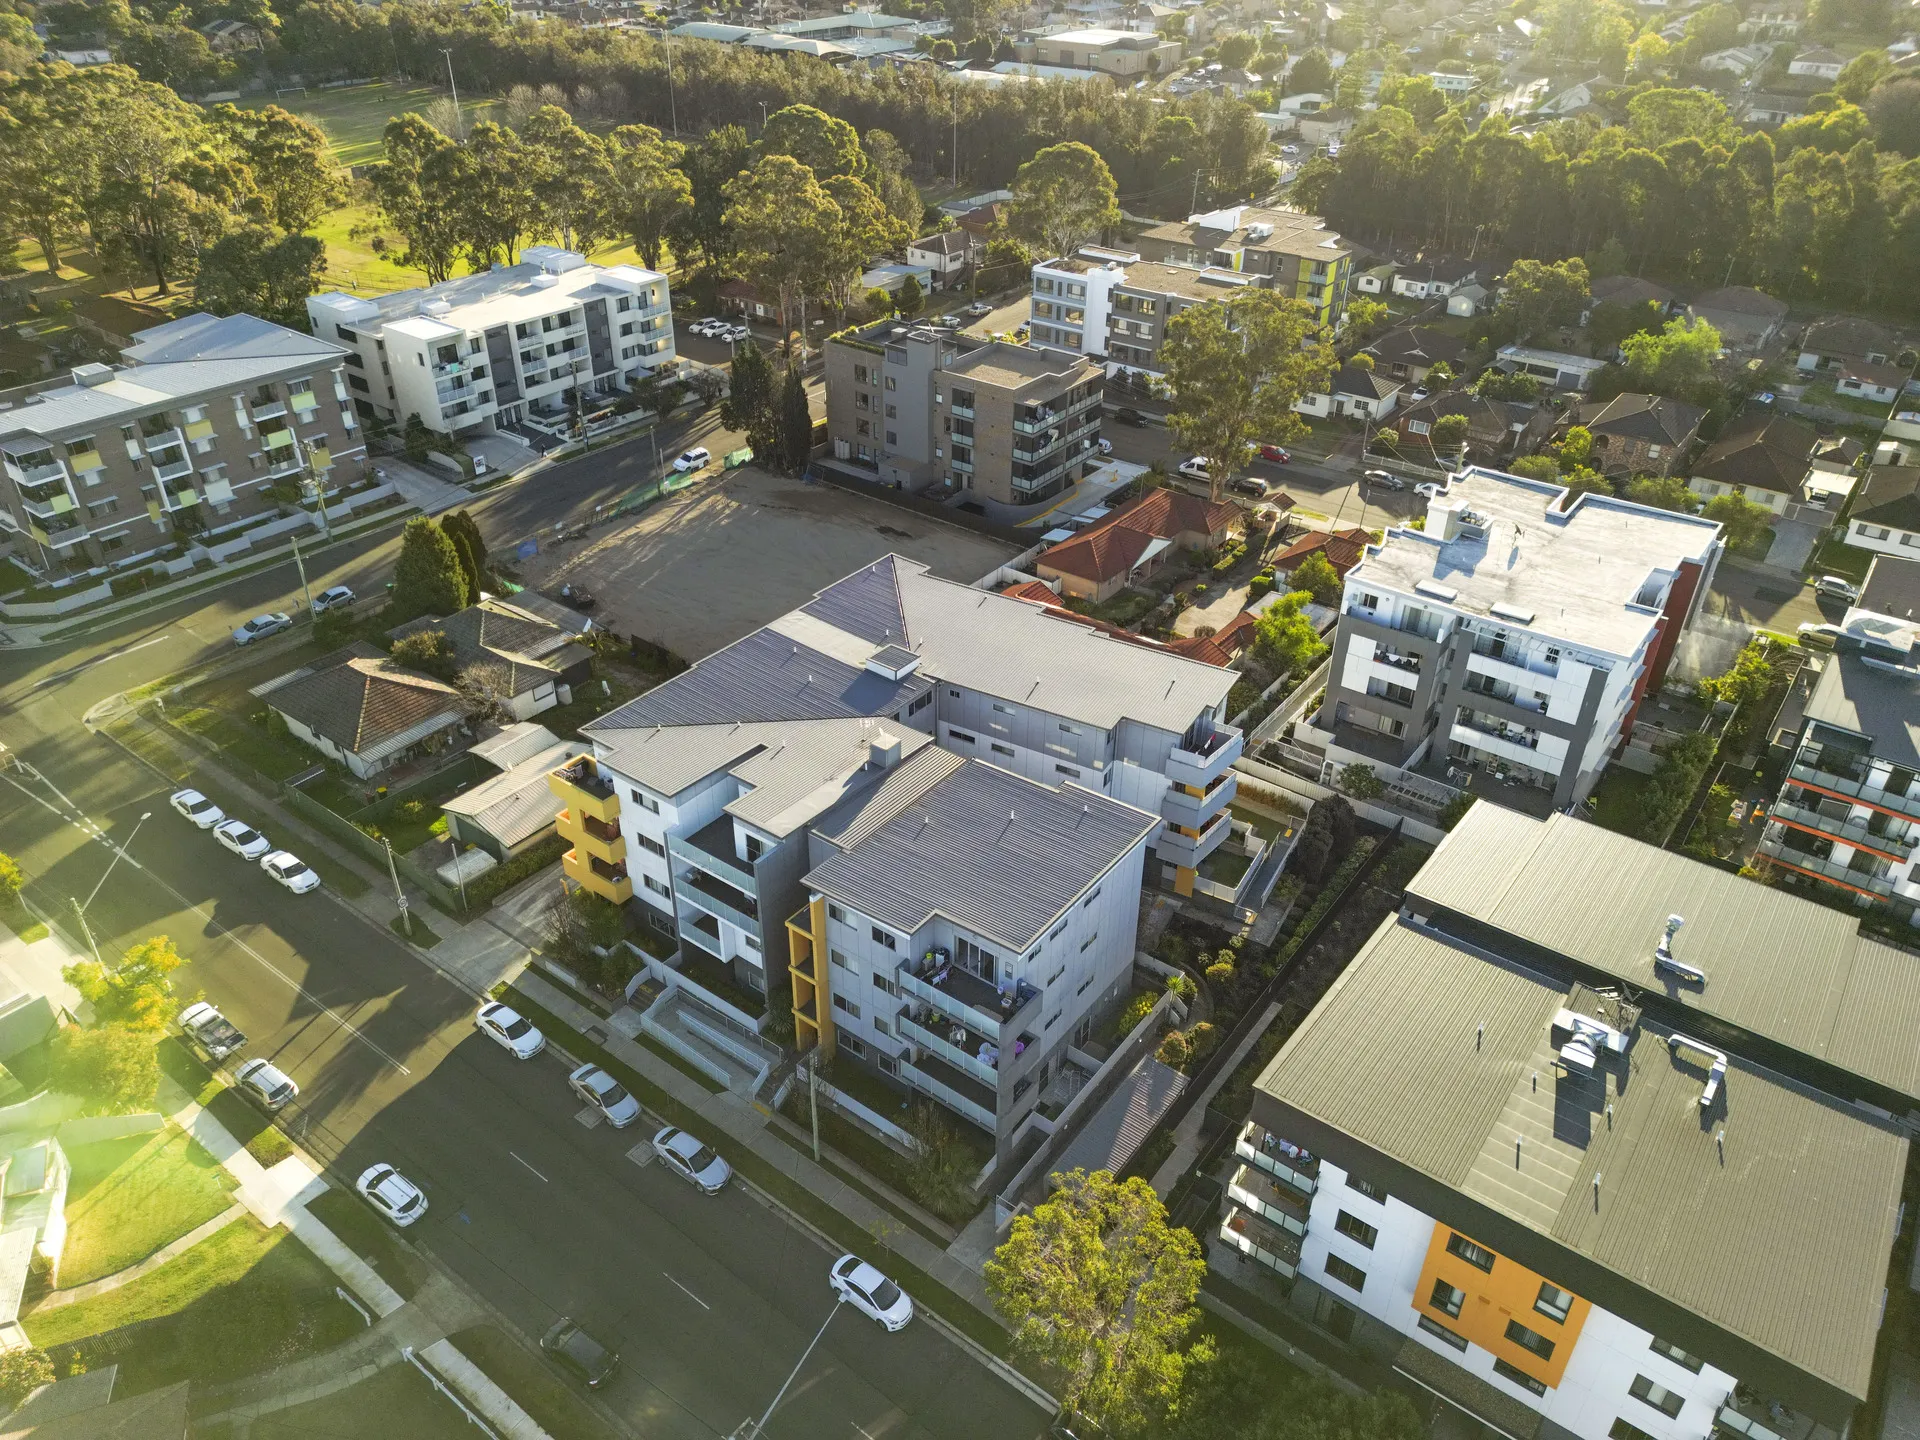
x,y
1063,198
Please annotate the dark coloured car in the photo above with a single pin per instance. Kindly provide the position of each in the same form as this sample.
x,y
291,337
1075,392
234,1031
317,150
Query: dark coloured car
x,y
1128,417
578,1353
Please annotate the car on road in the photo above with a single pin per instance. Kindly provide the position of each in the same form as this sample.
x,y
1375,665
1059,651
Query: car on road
x,y
954,321
1819,636
1289,149
291,871
261,626
334,597
979,308
242,839
211,1031
691,460
264,1083
1833,587
1385,481
197,808
1276,454
692,1159
605,1094
1128,416
392,1194
509,1029
870,1292
1104,446
1430,489
579,1354
1255,485
733,334
1194,467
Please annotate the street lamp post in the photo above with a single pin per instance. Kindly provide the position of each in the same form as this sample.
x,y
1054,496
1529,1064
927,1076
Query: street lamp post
x,y
459,120
80,908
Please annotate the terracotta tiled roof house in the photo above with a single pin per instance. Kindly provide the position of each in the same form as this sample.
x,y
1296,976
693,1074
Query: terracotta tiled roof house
x,y
1132,543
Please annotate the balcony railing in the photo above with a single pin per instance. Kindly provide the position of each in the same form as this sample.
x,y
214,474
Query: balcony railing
x,y
962,1055
1384,656
592,837
965,997
59,505
1477,684
1852,782
948,1095
1198,759
1197,811
1281,1158
1494,730
719,900
703,931
1811,864
1852,832
39,474
177,470
1270,1200
272,410
711,849
1255,1238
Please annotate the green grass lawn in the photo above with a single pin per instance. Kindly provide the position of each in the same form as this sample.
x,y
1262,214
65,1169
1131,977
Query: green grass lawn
x,y
248,1124
1615,802
1225,867
245,1300
540,1389
21,921
241,739
355,116
130,1197
372,1239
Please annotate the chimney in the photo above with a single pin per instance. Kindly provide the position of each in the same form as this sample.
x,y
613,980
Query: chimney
x,y
883,751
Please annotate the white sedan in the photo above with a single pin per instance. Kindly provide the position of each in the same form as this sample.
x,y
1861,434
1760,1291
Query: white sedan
x,y
1430,489
197,808
605,1094
692,1159
509,1029
692,460
392,1194
261,626
291,871
242,839
870,1292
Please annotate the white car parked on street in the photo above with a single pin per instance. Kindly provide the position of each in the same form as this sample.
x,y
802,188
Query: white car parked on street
x,y
197,808
242,839
291,871
870,1292
392,1194
692,1159
510,1030
605,1094
262,626
1195,467
692,460
268,1086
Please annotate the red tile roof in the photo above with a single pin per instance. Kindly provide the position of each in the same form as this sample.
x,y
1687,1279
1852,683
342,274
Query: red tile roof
x,y
1115,545
1343,549
1037,591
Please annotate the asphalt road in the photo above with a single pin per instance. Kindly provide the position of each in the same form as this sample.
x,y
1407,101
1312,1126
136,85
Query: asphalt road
x,y
710,1301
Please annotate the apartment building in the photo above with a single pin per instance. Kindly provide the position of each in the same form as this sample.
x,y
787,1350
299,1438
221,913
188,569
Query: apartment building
x,y
1293,253
1149,297
1070,303
507,344
925,407
1847,818
1593,1141
181,444
1515,634
724,802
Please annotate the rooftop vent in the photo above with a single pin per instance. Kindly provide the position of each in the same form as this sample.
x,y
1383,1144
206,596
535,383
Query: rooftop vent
x,y
1259,232
1665,960
1514,613
1433,589
433,307
1587,1039
1717,1068
883,751
91,375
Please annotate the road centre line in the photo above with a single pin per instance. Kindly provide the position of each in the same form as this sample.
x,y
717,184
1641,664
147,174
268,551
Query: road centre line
x,y
536,1174
686,1292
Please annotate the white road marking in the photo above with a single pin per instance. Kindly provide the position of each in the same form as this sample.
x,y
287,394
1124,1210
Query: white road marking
x,y
536,1174
861,1428
86,826
688,1293
68,674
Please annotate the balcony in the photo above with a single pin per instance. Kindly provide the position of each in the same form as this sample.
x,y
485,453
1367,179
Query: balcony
x,y
1280,1158
178,470
592,836
1807,863
718,899
702,932
47,509
84,461
962,412
1428,627
937,1080
1512,744
1512,666
609,882
1848,778
200,430
963,996
952,1042
1195,812
49,470
1385,655
1189,851
1253,1237
276,439
1200,759
272,410
582,789
1280,1205
710,848
72,535
1849,831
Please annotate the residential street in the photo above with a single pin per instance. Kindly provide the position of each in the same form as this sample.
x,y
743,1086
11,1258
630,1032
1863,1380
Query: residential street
x,y
710,1301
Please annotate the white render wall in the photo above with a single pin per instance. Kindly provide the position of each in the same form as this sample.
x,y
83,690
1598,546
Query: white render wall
x,y
1610,1351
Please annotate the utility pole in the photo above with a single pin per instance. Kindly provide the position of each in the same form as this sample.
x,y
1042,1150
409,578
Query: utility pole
x,y
459,120
813,1098
763,117
398,893
306,591
80,910
81,916
956,137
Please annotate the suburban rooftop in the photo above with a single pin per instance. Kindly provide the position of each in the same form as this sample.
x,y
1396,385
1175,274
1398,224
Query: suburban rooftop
x,y
1012,366
1211,283
545,277
1578,571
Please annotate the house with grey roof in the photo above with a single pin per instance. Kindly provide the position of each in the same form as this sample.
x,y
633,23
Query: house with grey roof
x,y
1611,1156
512,811
359,708
526,662
707,802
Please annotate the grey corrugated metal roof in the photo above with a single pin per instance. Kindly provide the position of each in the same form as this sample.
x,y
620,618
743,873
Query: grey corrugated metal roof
x,y
996,854
1783,1241
518,803
226,337
1788,969
866,603
519,741
850,823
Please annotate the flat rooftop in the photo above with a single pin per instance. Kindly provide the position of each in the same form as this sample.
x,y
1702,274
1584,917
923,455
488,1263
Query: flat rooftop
x,y
1210,284
551,280
1892,588
1790,971
1425,1052
1879,701
1013,366
1577,573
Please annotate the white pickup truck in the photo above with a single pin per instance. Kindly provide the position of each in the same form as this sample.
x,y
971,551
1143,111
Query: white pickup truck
x,y
211,1030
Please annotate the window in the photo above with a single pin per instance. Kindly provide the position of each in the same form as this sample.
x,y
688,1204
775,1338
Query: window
x,y
1371,602
835,957
1066,729
1006,750
648,843
883,985
1419,427
1658,1396
960,735
1087,944
1447,1298
1441,1333
1518,1376
1057,931
840,1002
1067,770
881,937
1366,1188
1346,1272
1464,1249
1626,1430
1357,1229
1676,1355
854,1046
1553,1302
1002,709
1530,1340
881,1026
647,802
893,437
654,885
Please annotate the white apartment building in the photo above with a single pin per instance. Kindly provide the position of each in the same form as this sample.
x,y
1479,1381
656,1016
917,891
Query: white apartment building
x,y
504,345
1072,300
733,801
1581,1165
1515,634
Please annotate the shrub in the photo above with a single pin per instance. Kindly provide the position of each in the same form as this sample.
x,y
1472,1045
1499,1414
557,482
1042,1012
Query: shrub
x,y
1183,986
1220,973
1173,1049
22,1372
1201,1040
1137,1010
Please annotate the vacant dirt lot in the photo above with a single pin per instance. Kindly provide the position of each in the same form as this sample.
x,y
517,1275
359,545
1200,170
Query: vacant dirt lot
x,y
709,565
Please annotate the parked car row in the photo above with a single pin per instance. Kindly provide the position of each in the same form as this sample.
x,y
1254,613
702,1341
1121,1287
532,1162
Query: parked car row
x,y
334,597
242,839
713,328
